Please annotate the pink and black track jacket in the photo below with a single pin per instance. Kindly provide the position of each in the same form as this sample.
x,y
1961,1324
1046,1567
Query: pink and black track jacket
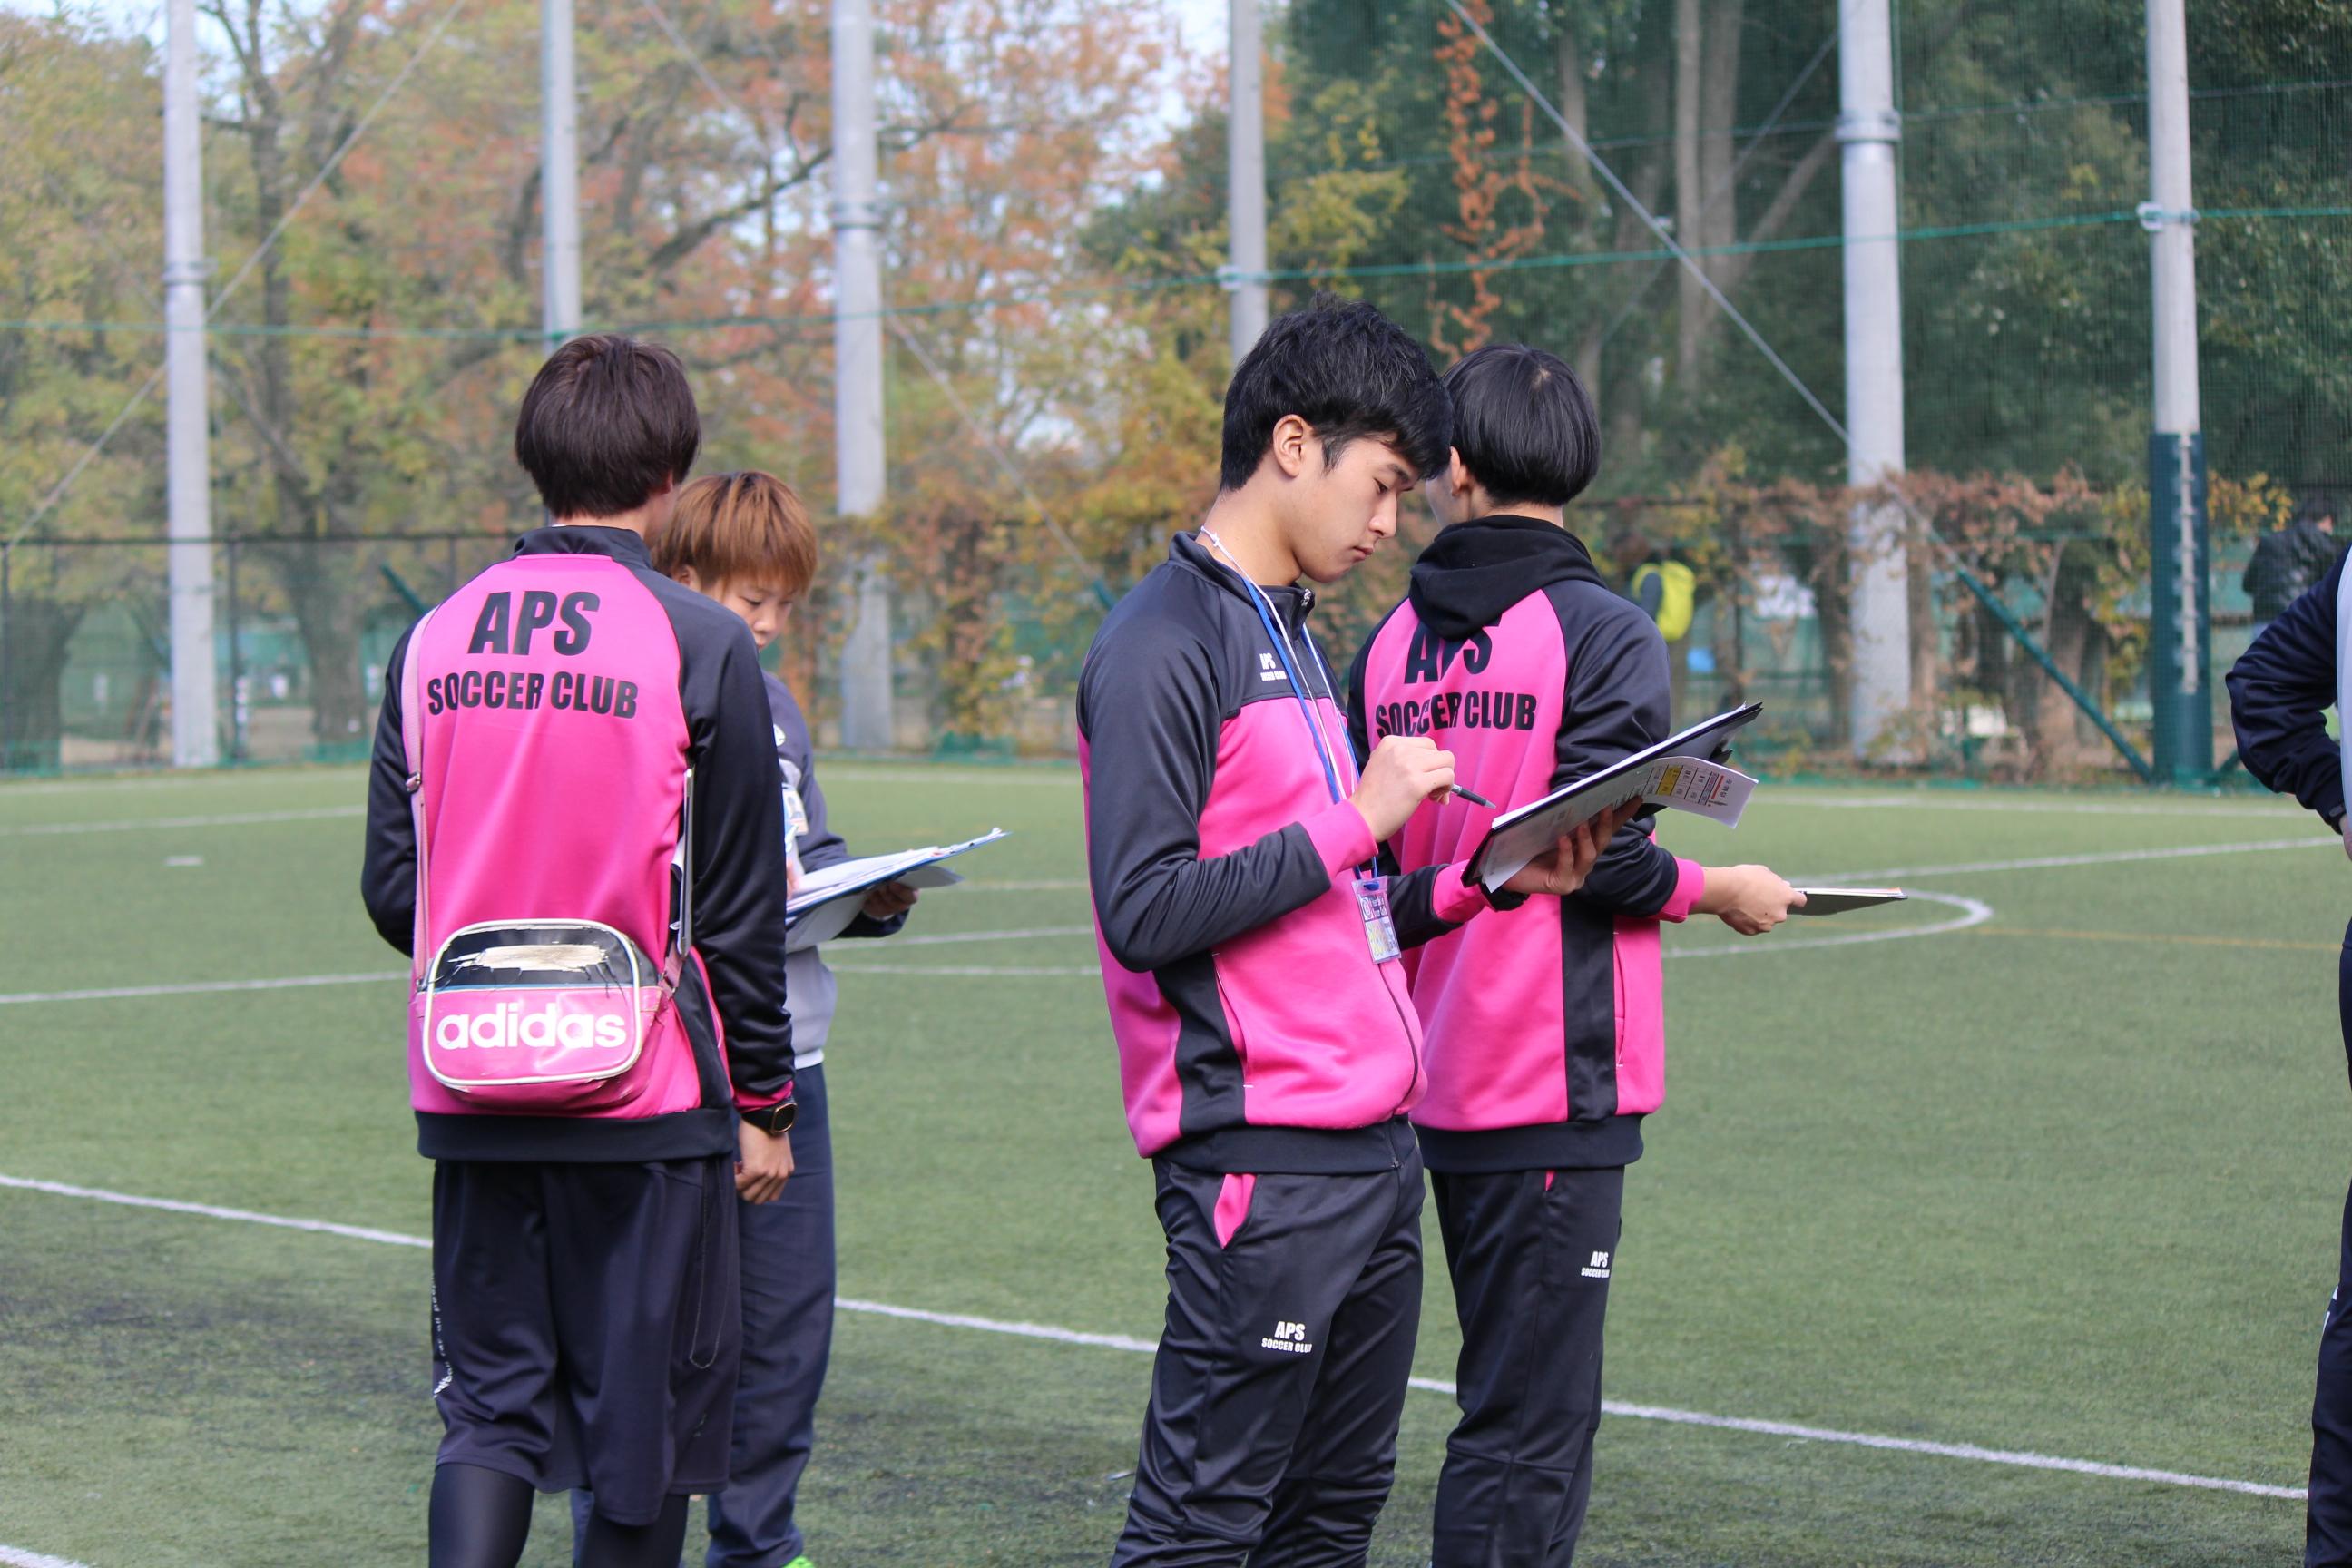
x,y
1546,1035
566,691
1256,1033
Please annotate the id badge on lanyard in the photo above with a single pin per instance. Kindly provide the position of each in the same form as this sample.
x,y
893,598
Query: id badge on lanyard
x,y
1380,927
1372,892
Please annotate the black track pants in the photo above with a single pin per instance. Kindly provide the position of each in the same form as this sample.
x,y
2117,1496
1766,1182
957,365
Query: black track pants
x,y
1271,1436
1530,1253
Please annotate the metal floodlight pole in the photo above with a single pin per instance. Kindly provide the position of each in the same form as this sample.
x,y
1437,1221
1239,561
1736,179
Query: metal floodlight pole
x,y
1244,277
1868,131
868,722
559,180
2180,639
195,738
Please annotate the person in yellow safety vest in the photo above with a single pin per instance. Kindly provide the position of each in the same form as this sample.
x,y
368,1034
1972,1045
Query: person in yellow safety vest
x,y
1667,589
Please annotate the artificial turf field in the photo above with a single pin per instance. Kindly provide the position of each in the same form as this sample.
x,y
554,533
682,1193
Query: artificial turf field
x,y
2065,1180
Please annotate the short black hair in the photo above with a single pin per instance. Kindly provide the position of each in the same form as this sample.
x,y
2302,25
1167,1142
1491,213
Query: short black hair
x,y
1347,370
1524,423
2316,506
608,421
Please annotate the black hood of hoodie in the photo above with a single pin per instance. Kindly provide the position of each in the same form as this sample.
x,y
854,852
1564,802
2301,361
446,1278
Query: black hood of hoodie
x,y
1474,571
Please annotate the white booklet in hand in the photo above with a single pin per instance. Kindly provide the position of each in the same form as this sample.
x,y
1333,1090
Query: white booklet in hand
x,y
1681,772
829,897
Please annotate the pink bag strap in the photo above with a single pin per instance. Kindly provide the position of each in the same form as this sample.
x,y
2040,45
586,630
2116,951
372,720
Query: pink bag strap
x,y
412,740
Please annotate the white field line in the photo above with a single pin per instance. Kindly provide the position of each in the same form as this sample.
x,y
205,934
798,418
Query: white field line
x,y
213,1210
2278,812
18,1557
203,987
1013,934
2036,863
225,819
1058,1335
2052,862
1973,913
919,774
978,970
2021,1458
165,778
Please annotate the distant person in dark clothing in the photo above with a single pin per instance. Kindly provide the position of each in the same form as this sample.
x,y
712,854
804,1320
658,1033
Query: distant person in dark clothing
x,y
2292,559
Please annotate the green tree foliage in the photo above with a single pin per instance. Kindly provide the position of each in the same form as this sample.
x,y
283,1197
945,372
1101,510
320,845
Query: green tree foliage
x,y
80,202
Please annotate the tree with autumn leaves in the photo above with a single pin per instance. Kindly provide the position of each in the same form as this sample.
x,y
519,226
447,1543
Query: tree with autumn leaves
x,y
1055,176
365,371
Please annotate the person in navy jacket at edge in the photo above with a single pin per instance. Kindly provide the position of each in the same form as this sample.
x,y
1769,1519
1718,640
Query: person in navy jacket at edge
x,y
1267,1045
2279,695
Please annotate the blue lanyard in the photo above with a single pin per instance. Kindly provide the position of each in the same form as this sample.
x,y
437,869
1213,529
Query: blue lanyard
x,y
1265,607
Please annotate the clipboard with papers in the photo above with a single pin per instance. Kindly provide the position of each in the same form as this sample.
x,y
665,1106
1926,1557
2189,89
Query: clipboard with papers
x,y
829,897
1844,901
1684,771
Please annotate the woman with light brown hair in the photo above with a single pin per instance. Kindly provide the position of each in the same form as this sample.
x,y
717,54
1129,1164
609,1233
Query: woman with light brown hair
x,y
745,540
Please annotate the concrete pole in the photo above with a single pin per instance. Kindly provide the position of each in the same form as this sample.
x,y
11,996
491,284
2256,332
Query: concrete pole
x,y
1868,130
195,737
868,722
558,180
1246,183
2180,652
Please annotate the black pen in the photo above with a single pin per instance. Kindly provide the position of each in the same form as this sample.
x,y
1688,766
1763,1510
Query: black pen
x,y
1475,798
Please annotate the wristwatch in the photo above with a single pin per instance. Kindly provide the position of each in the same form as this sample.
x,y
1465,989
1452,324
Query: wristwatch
x,y
773,1120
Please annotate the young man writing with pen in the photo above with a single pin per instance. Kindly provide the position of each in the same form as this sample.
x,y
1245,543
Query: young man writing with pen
x,y
1268,1048
1546,1037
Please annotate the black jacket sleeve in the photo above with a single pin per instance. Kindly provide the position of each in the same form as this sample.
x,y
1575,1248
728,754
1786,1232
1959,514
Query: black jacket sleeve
x,y
388,865
2280,691
1618,701
1413,905
1360,723
739,833
1149,709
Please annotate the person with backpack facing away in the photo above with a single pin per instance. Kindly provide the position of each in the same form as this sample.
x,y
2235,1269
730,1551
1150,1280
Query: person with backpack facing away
x,y
744,541
2280,691
572,822
2286,562
1543,1020
1267,1048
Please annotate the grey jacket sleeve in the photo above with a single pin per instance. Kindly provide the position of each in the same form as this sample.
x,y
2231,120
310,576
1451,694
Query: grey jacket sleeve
x,y
820,847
